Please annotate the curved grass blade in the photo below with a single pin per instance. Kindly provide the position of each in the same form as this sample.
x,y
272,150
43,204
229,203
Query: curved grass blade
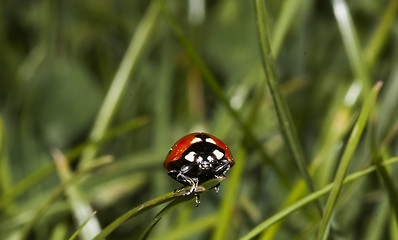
x,y
121,79
5,173
386,179
345,160
308,199
285,19
109,134
153,203
82,226
380,36
175,203
282,110
376,226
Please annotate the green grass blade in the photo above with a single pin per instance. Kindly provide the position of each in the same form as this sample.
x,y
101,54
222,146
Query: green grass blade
x,y
282,110
218,91
162,117
380,36
175,203
393,228
153,203
60,231
351,43
308,199
388,182
121,79
82,226
109,134
376,226
5,173
384,172
345,160
77,199
284,21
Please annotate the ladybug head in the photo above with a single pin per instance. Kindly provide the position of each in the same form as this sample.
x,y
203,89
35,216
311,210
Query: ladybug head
x,y
205,155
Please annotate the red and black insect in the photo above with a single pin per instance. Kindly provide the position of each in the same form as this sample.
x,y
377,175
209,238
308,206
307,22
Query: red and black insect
x,y
196,158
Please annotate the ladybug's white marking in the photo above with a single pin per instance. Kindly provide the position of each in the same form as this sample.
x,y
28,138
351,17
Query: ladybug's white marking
x,y
218,154
195,140
209,140
190,156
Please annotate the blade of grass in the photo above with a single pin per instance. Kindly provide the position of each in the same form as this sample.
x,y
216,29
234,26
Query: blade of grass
x,y
5,173
175,203
109,134
388,182
284,21
384,175
82,226
393,228
376,225
380,36
121,79
3,164
60,231
282,110
153,203
308,199
351,43
162,115
345,160
77,200
217,90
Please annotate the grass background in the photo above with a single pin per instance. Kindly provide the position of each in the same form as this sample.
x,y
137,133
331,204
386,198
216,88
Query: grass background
x,y
94,93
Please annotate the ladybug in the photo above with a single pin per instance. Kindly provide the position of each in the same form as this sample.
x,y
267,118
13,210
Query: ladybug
x,y
196,158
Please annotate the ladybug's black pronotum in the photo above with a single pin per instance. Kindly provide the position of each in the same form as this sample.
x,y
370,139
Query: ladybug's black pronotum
x,y
196,158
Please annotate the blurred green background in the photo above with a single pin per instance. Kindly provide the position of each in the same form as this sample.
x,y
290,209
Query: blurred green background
x,y
94,81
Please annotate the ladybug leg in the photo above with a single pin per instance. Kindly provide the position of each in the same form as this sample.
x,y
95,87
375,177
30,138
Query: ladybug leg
x,y
179,189
223,167
193,182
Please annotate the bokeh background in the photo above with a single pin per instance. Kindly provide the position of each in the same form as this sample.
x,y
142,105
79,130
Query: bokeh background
x,y
94,93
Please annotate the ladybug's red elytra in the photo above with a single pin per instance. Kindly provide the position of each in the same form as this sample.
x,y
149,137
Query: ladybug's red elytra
x,y
196,158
